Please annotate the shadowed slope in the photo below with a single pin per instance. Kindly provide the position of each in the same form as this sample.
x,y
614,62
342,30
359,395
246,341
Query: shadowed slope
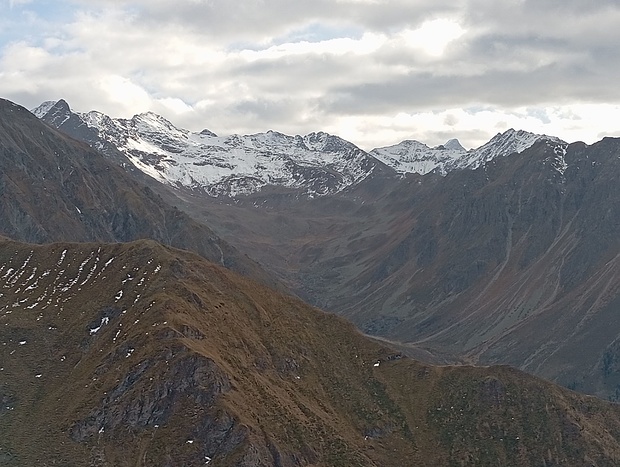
x,y
53,188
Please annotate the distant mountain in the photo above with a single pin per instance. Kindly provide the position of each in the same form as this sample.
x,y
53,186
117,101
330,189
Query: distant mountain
x,y
316,164
54,188
415,157
137,354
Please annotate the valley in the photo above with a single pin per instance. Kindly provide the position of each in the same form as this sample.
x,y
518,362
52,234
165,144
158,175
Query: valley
x,y
150,323
504,254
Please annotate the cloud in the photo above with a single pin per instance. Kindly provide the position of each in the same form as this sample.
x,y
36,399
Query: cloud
x,y
432,37
14,3
374,71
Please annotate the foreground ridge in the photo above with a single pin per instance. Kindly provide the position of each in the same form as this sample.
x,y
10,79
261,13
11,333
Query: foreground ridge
x,y
139,354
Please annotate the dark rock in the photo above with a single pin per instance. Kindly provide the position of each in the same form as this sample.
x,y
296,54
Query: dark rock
x,y
187,378
493,392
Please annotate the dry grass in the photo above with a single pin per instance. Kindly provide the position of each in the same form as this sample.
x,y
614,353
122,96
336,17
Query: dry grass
x,y
251,376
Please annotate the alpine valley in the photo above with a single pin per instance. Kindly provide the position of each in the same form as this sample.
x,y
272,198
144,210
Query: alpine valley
x,y
152,284
507,253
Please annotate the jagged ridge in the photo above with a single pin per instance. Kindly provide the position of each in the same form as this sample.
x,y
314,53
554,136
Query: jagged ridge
x,y
415,157
317,164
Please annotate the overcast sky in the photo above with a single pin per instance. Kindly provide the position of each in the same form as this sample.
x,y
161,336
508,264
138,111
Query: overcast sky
x,y
375,72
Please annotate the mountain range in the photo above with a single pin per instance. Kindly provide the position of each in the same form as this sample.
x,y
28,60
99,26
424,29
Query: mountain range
x,y
501,254
55,189
119,350
316,164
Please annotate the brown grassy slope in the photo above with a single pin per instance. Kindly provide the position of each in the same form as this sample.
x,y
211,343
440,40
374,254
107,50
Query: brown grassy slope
x,y
192,362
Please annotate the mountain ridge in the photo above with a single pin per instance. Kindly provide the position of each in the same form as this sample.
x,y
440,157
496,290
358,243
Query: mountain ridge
x,y
141,354
316,164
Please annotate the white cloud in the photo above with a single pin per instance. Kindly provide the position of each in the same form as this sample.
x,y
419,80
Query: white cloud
x,y
367,44
433,36
176,105
123,92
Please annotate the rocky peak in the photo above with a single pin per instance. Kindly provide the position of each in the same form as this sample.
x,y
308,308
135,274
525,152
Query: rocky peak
x,y
316,164
42,109
206,132
321,141
55,114
454,144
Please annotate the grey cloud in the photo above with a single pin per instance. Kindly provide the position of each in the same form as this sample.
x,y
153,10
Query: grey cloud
x,y
302,73
258,19
264,110
504,88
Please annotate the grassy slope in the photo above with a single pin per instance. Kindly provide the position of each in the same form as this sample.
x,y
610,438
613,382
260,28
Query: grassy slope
x,y
193,352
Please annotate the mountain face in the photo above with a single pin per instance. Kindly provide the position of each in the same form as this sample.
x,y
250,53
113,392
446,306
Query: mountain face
x,y
139,354
313,165
415,157
54,188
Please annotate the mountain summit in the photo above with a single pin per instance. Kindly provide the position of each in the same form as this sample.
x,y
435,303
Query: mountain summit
x,y
454,144
415,157
315,164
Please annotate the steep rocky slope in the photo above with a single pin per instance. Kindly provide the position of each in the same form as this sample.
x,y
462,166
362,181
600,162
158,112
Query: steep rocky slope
x,y
138,354
54,188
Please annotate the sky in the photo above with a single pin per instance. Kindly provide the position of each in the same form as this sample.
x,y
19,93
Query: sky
x,y
375,72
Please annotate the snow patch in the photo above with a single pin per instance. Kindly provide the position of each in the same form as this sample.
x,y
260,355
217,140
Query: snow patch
x,y
105,320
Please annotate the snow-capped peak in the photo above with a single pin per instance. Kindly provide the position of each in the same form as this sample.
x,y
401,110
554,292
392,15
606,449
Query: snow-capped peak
x,y
206,132
56,113
44,108
316,164
412,156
